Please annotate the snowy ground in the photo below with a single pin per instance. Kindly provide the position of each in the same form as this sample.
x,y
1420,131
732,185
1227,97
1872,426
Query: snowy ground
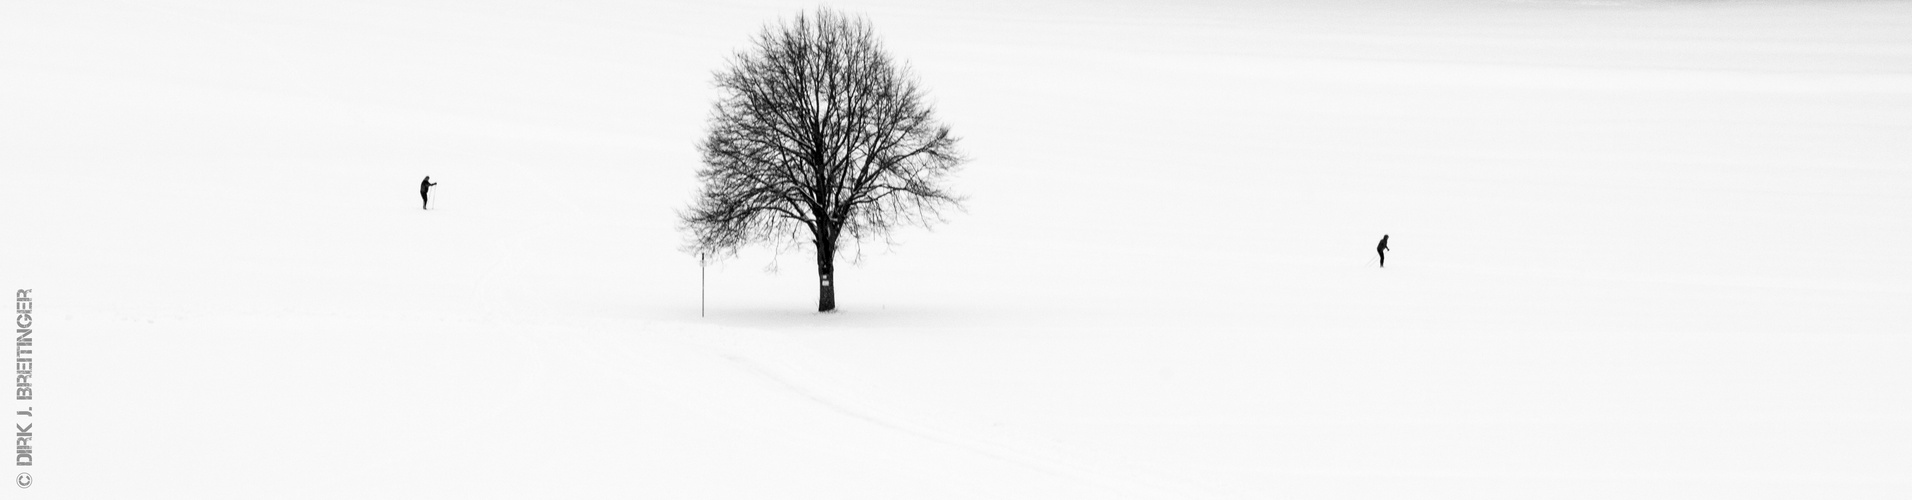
x,y
1642,250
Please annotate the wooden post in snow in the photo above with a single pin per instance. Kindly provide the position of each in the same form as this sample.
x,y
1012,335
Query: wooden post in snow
x,y
701,281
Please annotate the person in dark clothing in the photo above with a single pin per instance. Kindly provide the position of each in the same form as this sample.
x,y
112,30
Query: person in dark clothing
x,y
1383,250
424,191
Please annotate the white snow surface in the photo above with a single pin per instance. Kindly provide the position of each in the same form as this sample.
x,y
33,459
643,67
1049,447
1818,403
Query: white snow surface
x,y
1641,250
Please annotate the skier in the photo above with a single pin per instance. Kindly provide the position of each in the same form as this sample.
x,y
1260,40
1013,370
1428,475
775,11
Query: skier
x,y
1383,250
424,188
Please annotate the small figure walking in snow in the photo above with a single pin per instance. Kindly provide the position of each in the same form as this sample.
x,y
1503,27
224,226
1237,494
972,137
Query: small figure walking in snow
x,y
1383,250
424,191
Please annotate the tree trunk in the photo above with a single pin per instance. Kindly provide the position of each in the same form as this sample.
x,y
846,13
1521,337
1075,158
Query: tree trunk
x,y
826,273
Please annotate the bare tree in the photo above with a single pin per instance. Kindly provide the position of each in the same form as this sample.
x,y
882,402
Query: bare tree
x,y
818,133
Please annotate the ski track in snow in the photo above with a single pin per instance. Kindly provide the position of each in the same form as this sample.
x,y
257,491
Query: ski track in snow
x,y
811,387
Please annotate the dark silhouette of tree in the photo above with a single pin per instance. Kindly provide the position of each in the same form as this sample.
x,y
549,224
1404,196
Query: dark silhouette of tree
x,y
818,133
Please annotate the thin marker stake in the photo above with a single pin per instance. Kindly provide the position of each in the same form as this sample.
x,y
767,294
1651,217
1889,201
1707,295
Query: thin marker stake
x,y
700,284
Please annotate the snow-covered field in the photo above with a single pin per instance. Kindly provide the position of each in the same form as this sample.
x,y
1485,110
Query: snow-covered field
x,y
1642,250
